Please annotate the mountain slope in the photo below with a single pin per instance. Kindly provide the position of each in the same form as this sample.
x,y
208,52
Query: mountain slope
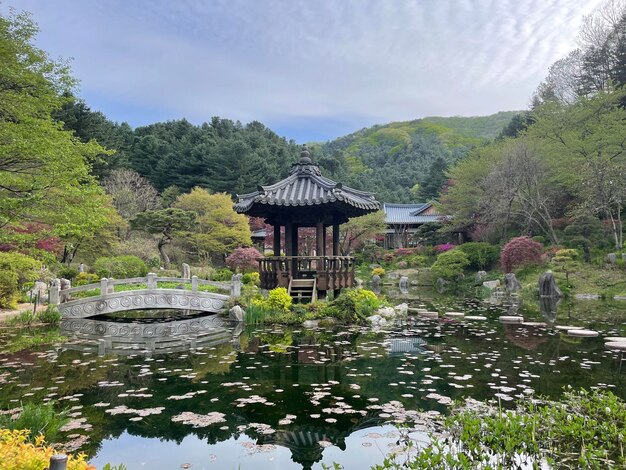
x,y
390,159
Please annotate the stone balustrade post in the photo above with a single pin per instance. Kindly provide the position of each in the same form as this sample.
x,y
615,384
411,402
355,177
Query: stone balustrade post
x,y
110,286
235,285
104,282
58,462
54,292
194,283
151,281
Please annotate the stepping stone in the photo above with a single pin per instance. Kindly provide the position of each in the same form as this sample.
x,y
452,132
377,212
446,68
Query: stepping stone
x,y
429,315
454,314
583,333
615,339
534,323
619,346
511,319
566,327
476,317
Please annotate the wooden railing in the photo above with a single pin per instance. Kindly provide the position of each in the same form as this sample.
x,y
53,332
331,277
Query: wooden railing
x,y
331,272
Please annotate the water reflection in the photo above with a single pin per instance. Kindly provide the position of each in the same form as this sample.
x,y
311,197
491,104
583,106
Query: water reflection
x,y
160,332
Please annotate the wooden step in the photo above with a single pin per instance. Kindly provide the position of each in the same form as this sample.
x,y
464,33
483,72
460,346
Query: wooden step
x,y
303,290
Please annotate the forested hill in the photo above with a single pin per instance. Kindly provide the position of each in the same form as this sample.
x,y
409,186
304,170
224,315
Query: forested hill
x,y
223,155
390,159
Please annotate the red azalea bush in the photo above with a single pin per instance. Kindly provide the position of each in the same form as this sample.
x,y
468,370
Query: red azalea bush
x,y
243,259
520,251
445,247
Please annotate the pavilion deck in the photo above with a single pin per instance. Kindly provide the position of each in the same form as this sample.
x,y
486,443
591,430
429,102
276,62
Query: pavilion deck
x,y
330,272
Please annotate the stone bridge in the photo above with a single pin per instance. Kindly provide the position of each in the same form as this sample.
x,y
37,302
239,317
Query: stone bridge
x,y
152,297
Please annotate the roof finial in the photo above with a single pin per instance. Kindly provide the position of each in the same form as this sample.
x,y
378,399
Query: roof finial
x,y
305,156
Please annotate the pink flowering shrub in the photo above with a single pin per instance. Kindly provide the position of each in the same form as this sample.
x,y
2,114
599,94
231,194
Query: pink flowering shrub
x,y
243,259
520,251
445,247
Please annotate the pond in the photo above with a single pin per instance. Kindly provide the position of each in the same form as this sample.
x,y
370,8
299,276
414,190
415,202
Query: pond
x,y
180,391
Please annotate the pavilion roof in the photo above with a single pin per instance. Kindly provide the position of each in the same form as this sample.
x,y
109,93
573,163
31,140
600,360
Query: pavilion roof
x,y
305,189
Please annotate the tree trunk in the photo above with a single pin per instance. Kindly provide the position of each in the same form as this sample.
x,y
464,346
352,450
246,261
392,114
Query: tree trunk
x,y
166,259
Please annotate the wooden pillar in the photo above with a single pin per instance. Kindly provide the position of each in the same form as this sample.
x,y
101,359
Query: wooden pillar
x,y
276,240
288,238
335,239
324,240
294,250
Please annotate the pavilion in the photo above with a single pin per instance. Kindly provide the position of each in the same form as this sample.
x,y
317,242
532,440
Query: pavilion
x,y
306,199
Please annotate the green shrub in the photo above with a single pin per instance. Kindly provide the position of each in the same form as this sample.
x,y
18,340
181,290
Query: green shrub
x,y
83,279
223,274
50,315
8,289
278,300
68,272
26,268
251,278
352,305
378,272
120,267
481,255
16,270
450,265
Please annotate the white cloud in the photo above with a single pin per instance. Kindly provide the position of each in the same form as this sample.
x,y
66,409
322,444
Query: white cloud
x,y
277,60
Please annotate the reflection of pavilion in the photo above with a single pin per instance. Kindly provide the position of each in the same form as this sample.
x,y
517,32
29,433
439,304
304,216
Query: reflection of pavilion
x,y
114,337
307,442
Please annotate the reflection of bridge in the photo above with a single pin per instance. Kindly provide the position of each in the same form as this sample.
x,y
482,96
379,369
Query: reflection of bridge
x,y
151,297
110,337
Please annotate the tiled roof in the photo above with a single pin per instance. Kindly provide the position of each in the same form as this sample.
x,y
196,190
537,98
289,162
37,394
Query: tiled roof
x,y
408,214
305,186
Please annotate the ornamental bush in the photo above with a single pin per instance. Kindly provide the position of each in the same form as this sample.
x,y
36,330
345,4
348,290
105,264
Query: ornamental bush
x,y
278,300
244,259
378,272
450,265
481,255
445,247
120,267
19,454
520,251
16,270
352,305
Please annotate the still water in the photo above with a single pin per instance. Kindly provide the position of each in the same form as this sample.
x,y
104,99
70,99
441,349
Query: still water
x,y
181,391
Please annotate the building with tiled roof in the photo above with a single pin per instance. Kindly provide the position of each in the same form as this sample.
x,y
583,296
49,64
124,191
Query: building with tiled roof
x,y
403,220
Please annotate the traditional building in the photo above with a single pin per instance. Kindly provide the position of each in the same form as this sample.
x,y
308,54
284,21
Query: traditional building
x,y
306,199
403,220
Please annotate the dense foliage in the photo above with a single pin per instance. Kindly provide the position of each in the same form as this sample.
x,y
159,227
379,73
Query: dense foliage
x,y
120,267
563,161
19,454
481,255
450,265
581,430
243,259
520,251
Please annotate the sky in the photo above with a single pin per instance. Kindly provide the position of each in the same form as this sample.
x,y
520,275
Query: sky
x,y
311,70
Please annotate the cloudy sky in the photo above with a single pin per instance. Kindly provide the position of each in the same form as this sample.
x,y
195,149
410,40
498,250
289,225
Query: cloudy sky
x,y
309,69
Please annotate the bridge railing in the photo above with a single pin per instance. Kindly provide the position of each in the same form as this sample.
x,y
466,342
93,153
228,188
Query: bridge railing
x,y
61,292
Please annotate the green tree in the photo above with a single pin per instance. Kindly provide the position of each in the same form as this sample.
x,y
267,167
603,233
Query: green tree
x,y
218,228
44,174
166,222
358,230
587,142
435,180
